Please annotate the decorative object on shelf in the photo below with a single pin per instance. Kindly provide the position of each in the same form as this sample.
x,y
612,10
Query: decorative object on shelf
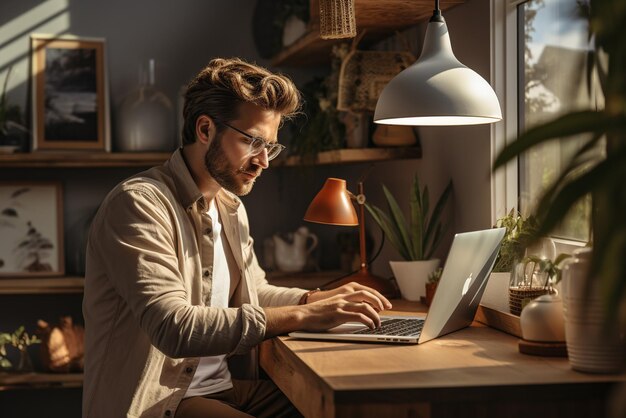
x,y
357,129
62,347
275,24
337,19
332,206
394,136
70,94
13,133
20,340
146,117
416,240
364,74
31,226
594,344
431,285
437,89
319,128
292,255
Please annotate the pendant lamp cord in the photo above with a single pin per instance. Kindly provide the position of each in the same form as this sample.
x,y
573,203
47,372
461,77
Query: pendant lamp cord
x,y
437,17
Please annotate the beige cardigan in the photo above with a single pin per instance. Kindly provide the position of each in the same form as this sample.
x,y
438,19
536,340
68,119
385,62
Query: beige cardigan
x,y
145,319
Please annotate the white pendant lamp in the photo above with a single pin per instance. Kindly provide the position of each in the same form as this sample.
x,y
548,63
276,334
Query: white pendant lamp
x,y
437,89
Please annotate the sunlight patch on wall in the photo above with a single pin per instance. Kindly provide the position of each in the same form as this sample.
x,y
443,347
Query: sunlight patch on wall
x,y
50,17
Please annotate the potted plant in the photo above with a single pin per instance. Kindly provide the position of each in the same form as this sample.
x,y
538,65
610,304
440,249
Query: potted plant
x,y
12,130
415,240
431,285
532,277
602,178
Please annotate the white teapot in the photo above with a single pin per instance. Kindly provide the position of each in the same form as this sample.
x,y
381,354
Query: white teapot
x,y
291,256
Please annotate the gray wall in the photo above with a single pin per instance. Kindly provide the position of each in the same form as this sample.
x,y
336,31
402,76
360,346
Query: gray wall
x,y
182,37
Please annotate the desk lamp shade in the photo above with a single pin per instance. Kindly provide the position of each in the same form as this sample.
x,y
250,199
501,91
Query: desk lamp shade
x,y
437,89
332,205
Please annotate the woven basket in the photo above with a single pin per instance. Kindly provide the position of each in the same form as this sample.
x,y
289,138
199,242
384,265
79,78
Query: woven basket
x,y
364,74
337,19
519,296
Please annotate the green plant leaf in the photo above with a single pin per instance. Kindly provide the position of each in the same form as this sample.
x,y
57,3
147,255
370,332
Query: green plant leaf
x,y
400,224
570,124
415,206
435,219
385,224
552,209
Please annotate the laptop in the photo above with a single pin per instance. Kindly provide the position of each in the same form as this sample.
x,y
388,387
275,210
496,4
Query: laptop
x,y
456,300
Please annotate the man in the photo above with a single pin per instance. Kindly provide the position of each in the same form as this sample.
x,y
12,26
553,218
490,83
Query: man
x,y
175,302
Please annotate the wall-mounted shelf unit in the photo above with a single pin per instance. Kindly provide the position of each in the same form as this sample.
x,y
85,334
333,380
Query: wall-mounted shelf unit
x,y
46,285
124,160
40,380
379,18
354,155
82,159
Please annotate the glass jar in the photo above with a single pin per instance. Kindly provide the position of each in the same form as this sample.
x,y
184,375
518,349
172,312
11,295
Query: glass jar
x,y
146,119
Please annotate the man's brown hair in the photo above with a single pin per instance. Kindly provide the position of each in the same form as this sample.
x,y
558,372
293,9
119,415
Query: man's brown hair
x,y
225,83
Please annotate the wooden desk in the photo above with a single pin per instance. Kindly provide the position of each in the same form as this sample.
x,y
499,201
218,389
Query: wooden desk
x,y
474,372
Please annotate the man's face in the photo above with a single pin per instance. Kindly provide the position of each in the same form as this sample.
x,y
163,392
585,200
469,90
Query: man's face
x,y
228,159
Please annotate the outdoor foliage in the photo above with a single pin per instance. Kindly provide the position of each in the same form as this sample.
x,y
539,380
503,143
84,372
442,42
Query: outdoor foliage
x,y
603,178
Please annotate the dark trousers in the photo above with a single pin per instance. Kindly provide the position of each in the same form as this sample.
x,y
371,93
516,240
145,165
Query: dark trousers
x,y
247,398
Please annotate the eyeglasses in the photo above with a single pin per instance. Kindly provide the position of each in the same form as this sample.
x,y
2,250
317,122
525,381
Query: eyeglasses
x,y
258,144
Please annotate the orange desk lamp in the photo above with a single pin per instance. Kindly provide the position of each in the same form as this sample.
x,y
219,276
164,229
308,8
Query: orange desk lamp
x,y
332,206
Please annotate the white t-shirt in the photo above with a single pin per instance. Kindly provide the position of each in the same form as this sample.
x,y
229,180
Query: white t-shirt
x,y
212,374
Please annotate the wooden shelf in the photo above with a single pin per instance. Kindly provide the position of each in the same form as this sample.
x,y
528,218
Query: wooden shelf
x,y
40,380
86,159
380,18
103,160
356,155
49,285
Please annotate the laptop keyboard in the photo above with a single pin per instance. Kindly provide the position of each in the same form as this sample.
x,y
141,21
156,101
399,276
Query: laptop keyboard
x,y
396,327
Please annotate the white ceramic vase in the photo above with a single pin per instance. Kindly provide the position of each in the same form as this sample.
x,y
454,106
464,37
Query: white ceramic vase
x,y
411,277
592,345
542,320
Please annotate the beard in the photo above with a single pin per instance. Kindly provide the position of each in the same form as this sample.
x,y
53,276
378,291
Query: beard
x,y
223,172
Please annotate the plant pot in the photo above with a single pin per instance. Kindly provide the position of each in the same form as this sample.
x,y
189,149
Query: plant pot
x,y
593,346
431,288
411,277
496,291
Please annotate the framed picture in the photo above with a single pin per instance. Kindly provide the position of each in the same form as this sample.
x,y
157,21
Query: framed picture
x,y
70,94
31,227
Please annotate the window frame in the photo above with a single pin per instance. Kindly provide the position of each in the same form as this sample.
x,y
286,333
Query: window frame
x,y
505,79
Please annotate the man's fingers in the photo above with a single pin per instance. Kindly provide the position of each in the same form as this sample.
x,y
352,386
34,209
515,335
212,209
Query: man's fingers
x,y
366,309
385,302
365,295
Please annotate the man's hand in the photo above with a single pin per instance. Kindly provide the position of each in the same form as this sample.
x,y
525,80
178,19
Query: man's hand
x,y
327,309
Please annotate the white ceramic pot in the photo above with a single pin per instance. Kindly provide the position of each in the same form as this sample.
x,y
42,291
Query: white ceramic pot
x,y
411,277
542,320
592,345
496,294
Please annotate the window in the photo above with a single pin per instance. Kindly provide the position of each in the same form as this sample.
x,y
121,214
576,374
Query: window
x,y
549,38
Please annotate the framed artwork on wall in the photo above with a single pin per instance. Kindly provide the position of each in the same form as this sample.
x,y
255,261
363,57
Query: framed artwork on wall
x,y
31,227
69,94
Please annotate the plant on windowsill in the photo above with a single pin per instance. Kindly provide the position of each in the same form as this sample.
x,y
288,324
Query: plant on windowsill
x,y
601,178
415,240
532,277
